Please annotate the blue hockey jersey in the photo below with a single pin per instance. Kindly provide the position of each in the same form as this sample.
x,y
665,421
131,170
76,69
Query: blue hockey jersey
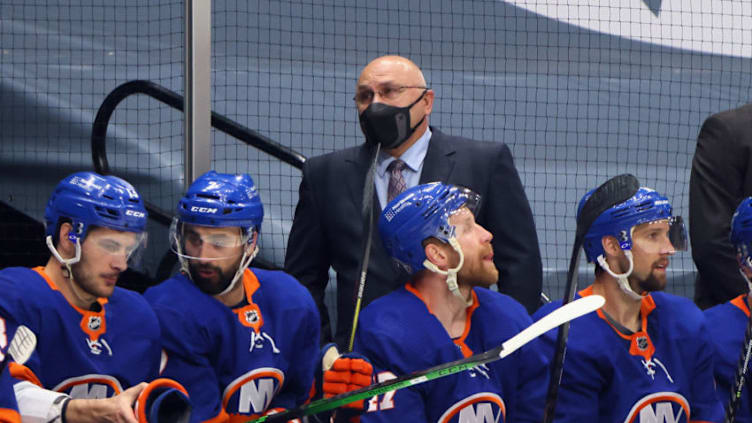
x,y
660,374
8,406
729,321
84,353
400,335
238,362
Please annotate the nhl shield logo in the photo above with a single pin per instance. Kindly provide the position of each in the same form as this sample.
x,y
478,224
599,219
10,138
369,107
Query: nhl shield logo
x,y
95,322
642,343
251,316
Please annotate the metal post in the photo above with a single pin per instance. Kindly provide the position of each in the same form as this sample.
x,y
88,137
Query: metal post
x,y
198,153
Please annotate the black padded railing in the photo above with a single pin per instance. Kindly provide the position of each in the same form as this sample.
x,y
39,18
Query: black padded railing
x,y
176,101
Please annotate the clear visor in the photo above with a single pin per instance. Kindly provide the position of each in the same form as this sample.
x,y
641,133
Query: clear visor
x,y
129,246
195,242
472,199
661,236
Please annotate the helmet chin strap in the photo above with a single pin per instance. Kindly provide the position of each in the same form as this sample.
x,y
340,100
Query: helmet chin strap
x,y
621,278
184,265
245,261
68,263
451,274
748,264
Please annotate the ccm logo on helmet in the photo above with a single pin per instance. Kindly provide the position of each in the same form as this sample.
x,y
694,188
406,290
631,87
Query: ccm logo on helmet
x,y
203,209
135,213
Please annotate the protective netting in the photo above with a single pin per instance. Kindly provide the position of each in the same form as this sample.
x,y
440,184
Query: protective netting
x,y
579,93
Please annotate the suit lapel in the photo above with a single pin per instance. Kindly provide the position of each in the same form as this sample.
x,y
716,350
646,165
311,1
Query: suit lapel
x,y
439,161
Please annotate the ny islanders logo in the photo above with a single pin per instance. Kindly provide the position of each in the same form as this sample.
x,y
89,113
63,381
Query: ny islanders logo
x,y
660,407
252,392
483,407
92,386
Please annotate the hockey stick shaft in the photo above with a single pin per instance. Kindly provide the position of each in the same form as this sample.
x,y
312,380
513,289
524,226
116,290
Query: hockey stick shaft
x,y
367,213
741,375
557,368
556,318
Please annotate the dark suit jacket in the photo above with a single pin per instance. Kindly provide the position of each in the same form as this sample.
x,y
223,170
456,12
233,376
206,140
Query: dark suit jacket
x,y
328,230
721,178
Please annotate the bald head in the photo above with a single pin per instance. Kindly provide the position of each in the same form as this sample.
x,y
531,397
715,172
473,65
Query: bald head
x,y
397,84
397,69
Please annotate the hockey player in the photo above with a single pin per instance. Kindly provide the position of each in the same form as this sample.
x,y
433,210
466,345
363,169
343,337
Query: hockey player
x,y
729,320
8,406
243,341
443,314
96,343
646,355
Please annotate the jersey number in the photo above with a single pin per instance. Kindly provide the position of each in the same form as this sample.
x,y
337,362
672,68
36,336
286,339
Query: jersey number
x,y
387,401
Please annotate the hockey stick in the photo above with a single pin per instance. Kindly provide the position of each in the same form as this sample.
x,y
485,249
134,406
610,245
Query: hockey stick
x,y
367,213
21,347
741,375
556,318
614,191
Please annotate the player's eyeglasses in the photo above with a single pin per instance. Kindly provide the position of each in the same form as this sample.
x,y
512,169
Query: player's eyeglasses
x,y
364,96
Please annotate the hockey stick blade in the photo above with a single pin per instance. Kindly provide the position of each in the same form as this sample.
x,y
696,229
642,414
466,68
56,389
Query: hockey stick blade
x,y
614,191
21,346
556,318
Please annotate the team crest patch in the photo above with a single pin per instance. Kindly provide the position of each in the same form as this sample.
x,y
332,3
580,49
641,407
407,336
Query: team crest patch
x,y
95,322
251,316
642,343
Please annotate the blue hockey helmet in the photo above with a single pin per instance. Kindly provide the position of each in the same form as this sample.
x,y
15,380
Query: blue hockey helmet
x,y
218,200
221,200
741,231
87,198
646,205
419,213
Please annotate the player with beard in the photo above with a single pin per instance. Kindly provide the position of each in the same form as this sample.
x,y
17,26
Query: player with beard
x,y
96,343
730,319
443,313
646,355
243,341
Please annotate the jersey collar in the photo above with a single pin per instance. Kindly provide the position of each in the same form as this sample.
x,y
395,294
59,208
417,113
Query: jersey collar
x,y
92,323
460,341
741,303
250,315
640,343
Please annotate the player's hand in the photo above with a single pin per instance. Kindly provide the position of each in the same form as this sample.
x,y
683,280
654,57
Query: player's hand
x,y
352,371
277,411
117,409
348,372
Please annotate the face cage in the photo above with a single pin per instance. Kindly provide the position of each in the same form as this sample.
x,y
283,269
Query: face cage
x,y
177,242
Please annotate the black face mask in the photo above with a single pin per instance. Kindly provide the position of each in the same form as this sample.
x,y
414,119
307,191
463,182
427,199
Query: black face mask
x,y
388,125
